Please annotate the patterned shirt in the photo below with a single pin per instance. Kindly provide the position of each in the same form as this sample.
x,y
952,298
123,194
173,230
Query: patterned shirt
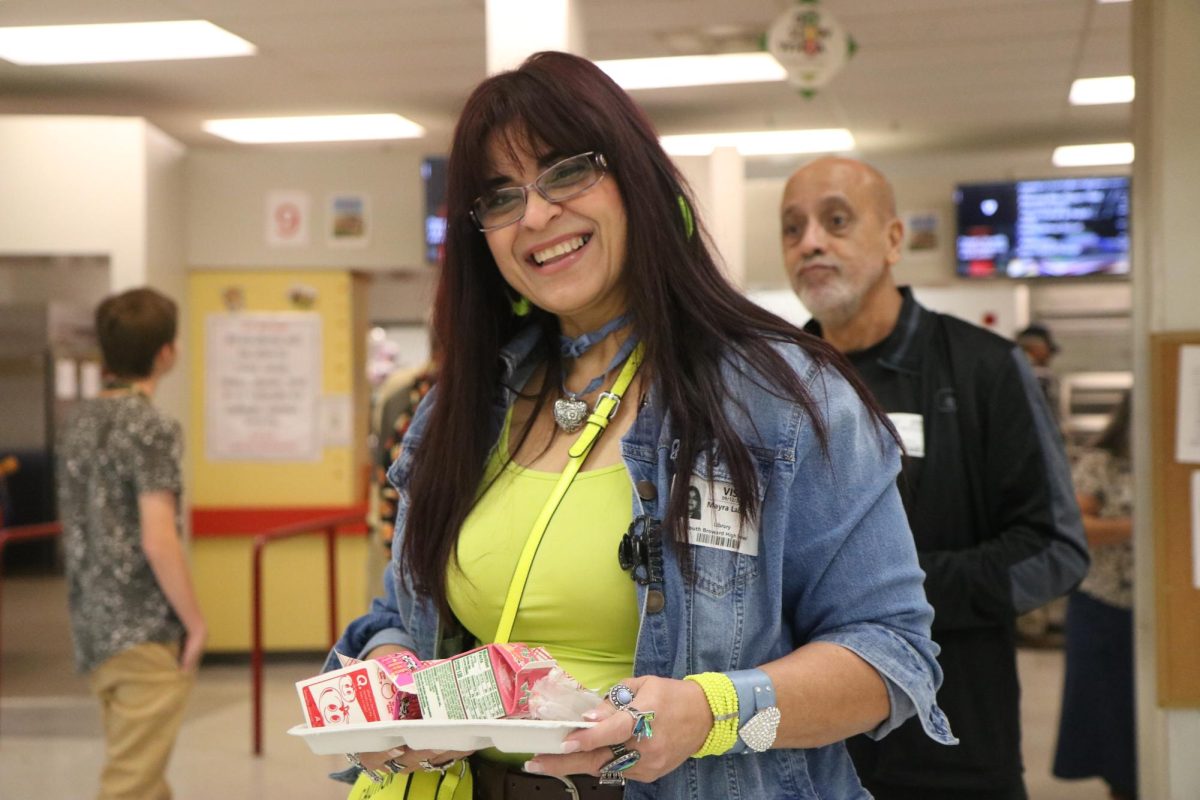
x,y
396,416
1110,480
111,451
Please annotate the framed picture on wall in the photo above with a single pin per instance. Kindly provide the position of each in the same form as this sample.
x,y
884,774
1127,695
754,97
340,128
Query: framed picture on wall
x,y
921,232
348,219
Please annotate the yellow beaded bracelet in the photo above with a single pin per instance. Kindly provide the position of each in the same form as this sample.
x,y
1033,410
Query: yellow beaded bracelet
x,y
723,701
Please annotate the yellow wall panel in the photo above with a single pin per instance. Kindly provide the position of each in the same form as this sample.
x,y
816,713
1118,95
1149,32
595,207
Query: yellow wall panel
x,y
295,590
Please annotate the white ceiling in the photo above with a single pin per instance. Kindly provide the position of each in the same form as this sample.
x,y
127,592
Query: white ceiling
x,y
929,75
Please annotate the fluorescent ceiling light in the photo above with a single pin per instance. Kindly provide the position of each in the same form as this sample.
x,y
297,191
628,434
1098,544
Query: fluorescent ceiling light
x,y
339,128
1093,155
1112,1
1099,91
761,143
134,41
657,73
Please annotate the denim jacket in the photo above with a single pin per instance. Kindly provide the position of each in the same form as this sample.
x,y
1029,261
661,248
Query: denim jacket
x,y
835,563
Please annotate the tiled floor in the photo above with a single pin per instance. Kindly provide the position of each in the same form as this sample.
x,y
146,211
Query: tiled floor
x,y
50,746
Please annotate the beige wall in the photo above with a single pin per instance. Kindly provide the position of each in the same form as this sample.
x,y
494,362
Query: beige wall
x,y
226,191
73,185
1166,196
162,212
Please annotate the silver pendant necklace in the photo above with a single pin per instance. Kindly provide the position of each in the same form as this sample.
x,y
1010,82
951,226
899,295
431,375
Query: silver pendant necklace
x,y
570,412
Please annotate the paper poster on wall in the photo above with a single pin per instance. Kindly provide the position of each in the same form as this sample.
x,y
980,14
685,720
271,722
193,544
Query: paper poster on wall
x,y
921,232
1187,421
348,221
262,386
66,383
287,218
89,379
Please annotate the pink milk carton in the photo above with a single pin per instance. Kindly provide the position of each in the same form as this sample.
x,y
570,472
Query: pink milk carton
x,y
346,695
489,682
360,691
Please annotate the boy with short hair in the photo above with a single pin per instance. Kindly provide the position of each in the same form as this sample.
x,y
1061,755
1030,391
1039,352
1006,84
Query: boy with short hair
x,y
138,629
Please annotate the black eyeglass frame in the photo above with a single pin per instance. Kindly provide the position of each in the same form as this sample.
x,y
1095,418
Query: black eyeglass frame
x,y
597,160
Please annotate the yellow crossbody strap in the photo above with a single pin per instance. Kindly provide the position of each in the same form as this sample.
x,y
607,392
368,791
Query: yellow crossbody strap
x,y
451,780
597,421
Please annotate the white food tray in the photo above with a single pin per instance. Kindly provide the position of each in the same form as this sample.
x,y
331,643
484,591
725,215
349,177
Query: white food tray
x,y
508,735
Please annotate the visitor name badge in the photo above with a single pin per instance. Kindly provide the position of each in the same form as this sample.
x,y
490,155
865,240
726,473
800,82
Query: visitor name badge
x,y
911,428
714,518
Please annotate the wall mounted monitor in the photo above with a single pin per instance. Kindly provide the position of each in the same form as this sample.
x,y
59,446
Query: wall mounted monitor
x,y
1055,228
433,176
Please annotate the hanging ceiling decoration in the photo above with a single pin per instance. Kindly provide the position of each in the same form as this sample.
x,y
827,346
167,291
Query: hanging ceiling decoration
x,y
810,44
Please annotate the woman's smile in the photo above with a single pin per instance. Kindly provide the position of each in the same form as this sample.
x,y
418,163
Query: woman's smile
x,y
555,253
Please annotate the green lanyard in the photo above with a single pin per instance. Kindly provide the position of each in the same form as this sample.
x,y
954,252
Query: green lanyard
x,y
602,414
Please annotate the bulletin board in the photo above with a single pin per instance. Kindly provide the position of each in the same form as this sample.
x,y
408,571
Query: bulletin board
x,y
261,312
1177,597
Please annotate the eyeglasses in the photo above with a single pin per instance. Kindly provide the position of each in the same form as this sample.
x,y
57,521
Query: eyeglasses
x,y
572,176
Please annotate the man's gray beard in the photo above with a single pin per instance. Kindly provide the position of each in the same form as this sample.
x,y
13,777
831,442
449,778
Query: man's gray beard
x,y
837,315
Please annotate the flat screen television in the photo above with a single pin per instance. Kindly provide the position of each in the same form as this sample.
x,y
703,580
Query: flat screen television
x,y
1053,228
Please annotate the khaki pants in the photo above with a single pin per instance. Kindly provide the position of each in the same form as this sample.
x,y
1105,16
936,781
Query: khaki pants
x,y
142,695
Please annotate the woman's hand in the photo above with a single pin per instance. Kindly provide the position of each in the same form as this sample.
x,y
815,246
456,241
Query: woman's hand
x,y
682,720
403,760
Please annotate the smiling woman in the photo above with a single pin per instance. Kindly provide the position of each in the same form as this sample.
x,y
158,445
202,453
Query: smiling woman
x,y
566,254
707,572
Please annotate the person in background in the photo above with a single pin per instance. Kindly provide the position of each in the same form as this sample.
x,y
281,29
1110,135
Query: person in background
x,y
1042,627
772,624
138,629
985,483
398,398
1096,733
1040,348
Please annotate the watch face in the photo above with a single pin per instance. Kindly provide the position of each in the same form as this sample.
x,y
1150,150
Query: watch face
x,y
759,732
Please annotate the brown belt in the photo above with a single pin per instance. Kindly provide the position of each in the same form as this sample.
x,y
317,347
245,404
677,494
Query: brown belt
x,y
496,782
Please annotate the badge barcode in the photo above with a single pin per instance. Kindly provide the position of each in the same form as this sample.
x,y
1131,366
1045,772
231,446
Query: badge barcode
x,y
715,540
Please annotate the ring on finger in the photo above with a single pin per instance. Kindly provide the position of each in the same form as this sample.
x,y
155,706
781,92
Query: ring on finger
x,y
611,778
394,765
620,696
641,723
357,762
429,766
622,761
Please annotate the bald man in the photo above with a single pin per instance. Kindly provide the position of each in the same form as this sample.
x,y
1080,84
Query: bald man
x,y
985,484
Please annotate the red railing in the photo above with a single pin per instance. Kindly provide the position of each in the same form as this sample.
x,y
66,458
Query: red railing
x,y
329,526
41,530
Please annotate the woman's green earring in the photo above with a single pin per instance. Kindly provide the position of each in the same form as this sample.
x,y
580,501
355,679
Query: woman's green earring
x,y
689,224
521,306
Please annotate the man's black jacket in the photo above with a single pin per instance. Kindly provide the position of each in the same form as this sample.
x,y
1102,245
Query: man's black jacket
x,y
997,531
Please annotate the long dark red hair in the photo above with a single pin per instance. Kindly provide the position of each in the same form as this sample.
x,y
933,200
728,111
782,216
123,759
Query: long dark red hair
x,y
684,310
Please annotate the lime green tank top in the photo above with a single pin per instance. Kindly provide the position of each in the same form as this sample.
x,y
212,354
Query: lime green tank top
x,y
578,604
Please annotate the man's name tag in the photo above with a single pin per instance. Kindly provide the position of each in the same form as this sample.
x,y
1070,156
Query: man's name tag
x,y
911,428
714,518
